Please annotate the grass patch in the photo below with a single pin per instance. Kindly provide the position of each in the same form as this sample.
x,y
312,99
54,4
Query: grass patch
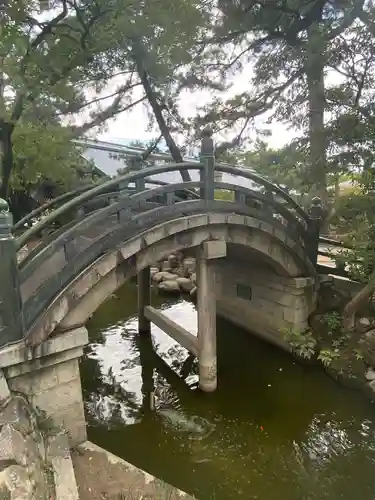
x,y
224,194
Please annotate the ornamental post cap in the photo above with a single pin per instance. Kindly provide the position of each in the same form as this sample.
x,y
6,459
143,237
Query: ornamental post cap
x,y
207,132
4,207
316,201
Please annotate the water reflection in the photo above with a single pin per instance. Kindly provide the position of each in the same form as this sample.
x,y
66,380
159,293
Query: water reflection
x,y
273,430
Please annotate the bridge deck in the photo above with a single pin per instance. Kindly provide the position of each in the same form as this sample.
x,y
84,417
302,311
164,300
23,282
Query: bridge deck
x,y
94,221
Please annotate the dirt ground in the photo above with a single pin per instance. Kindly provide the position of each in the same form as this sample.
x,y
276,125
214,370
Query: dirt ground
x,y
104,477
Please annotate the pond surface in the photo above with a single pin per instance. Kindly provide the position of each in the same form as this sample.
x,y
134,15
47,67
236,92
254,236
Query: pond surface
x,y
274,429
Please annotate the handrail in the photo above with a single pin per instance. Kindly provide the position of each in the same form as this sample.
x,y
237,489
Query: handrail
x,y
88,195
267,184
67,196
334,243
147,172
262,198
49,204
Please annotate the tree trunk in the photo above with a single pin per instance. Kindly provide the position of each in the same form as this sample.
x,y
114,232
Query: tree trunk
x,y
358,301
157,109
315,59
6,158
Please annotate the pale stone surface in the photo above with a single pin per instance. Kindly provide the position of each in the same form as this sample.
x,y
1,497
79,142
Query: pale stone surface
x,y
214,249
190,264
63,472
15,481
53,384
169,286
99,473
370,375
153,271
22,448
274,303
165,266
164,276
206,312
20,353
185,284
4,389
102,278
30,447
169,276
173,261
364,322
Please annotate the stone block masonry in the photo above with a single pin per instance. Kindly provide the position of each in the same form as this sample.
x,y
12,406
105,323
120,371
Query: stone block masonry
x,y
49,376
259,300
35,458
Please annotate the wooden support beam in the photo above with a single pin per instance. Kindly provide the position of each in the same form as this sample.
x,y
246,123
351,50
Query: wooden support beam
x,y
179,334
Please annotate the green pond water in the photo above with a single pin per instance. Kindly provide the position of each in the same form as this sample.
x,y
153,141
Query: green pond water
x,y
274,429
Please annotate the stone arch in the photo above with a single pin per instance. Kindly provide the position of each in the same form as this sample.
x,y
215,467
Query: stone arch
x,y
83,295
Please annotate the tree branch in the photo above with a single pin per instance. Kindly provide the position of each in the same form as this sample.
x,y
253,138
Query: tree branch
x,y
46,30
138,57
111,111
348,19
74,109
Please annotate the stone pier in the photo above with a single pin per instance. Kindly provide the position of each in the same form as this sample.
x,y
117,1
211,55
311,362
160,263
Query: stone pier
x,y
206,305
49,377
257,299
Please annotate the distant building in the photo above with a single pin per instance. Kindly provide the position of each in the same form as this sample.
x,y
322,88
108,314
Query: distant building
x,y
109,157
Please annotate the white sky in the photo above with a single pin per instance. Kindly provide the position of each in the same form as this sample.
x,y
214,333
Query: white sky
x,y
134,124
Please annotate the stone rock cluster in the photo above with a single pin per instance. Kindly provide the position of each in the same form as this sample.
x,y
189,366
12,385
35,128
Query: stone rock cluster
x,y
176,275
25,473
35,460
367,343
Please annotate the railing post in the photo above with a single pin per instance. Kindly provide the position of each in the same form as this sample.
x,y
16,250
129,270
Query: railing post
x,y
207,158
316,214
11,318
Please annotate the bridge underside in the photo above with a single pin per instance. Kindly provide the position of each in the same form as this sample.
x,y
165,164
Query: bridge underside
x,y
251,245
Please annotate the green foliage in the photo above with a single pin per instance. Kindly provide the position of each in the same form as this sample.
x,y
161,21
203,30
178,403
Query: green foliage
x,y
44,152
302,343
53,70
224,194
358,354
285,167
360,257
333,321
327,356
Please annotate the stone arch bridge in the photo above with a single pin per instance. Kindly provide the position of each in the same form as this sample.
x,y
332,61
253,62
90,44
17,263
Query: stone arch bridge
x,y
256,254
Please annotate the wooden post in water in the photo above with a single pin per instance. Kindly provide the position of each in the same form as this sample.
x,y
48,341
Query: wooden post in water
x,y
144,299
206,304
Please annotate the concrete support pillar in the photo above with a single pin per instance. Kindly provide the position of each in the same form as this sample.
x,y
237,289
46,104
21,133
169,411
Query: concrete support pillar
x,y
206,323
144,299
49,376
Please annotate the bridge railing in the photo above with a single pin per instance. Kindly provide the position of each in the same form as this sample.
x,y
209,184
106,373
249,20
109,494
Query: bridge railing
x,y
134,207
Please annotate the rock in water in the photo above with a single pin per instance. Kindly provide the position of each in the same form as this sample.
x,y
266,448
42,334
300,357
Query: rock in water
x,y
170,286
185,284
173,261
189,264
164,276
197,427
